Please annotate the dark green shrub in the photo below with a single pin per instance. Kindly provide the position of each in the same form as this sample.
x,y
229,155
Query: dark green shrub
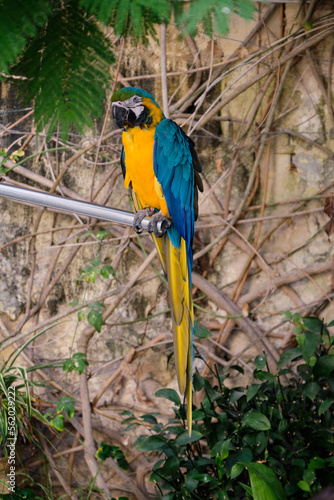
x,y
270,440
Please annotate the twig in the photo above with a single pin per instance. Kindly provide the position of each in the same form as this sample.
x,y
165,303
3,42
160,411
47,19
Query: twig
x,y
310,42
89,443
250,328
17,122
163,65
51,461
285,279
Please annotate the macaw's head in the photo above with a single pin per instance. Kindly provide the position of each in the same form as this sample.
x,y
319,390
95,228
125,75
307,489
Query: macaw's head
x,y
133,107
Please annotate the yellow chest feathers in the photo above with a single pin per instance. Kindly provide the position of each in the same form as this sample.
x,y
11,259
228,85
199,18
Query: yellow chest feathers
x,y
138,148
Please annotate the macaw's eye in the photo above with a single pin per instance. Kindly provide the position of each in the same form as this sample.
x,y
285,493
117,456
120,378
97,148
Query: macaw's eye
x,y
136,99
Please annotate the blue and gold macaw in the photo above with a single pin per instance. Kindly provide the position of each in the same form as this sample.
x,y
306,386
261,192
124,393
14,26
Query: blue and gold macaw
x,y
161,166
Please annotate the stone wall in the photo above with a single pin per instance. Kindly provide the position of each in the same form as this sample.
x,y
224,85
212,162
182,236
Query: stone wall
x,y
267,153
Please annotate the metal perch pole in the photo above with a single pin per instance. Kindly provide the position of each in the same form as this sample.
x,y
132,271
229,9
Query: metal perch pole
x,y
67,205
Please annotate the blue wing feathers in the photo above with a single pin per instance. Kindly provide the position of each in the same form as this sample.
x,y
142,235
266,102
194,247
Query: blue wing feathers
x,y
174,163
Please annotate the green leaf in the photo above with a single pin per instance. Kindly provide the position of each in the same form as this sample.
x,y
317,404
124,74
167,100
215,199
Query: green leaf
x,y
106,271
260,361
235,396
260,442
20,21
74,302
198,382
78,362
312,340
200,331
169,394
325,405
304,486
237,368
184,438
130,17
264,483
247,488
289,356
171,466
311,390
100,235
287,314
65,69
200,12
96,261
66,403
191,483
257,421
95,319
224,452
203,478
242,455
309,476
149,418
58,422
152,443
324,366
313,324
261,375
236,470
253,389
81,315
104,451
316,463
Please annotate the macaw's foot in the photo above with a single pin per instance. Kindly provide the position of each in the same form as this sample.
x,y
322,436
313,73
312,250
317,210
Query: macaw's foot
x,y
140,215
159,224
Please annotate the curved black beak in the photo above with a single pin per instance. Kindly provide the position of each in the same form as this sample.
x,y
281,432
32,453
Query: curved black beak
x,y
120,115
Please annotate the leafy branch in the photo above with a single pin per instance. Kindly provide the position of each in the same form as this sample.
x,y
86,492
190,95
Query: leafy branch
x,y
61,58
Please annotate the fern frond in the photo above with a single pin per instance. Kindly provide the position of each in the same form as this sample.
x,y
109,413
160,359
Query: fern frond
x,y
67,70
200,11
221,19
20,19
178,9
130,17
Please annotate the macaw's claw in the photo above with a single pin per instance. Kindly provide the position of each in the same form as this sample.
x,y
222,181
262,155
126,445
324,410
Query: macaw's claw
x,y
159,224
140,215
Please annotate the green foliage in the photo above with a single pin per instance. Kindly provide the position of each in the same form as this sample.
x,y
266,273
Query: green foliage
x,y
66,404
78,362
89,273
18,412
200,331
130,17
267,441
215,14
66,67
264,483
21,494
20,21
4,157
63,56
94,269
107,451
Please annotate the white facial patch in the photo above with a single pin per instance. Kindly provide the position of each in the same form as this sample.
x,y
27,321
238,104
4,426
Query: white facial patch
x,y
137,109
